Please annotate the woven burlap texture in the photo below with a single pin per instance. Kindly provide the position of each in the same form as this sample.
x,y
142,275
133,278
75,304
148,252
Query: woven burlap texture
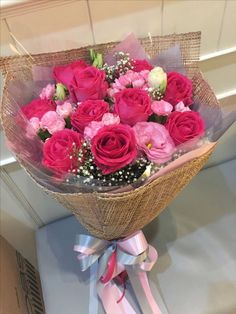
x,y
111,216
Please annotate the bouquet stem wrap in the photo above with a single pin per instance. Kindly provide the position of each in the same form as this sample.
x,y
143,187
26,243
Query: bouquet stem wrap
x,y
132,254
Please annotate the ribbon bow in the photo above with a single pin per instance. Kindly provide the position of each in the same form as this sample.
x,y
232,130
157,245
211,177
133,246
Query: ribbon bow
x,y
132,254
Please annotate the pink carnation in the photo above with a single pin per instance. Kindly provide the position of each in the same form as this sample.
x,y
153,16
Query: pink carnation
x,y
35,123
161,108
181,107
110,118
154,140
32,127
47,92
91,130
52,122
129,79
65,109
37,108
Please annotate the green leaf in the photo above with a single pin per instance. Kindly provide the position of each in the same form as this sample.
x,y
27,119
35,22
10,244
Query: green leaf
x,y
96,58
158,119
92,54
163,87
100,60
61,91
43,134
153,118
68,123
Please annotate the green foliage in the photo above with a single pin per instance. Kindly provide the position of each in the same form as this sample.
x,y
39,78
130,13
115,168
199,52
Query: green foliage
x,y
61,92
158,119
43,134
68,123
96,58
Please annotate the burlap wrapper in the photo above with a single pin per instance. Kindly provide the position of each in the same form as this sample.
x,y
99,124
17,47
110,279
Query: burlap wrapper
x,y
111,216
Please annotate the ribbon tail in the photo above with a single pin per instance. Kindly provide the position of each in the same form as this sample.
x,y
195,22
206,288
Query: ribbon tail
x,y
93,300
109,294
142,290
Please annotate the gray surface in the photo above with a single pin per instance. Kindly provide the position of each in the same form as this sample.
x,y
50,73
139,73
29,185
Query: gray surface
x,y
196,241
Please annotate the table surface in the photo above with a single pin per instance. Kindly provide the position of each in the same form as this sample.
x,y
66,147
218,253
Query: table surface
x,y
196,241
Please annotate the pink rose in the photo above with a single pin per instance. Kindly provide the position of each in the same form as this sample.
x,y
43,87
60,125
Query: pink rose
x,y
88,83
92,128
110,118
140,65
65,73
162,108
65,109
60,152
181,107
89,110
184,126
37,108
48,92
113,147
52,122
154,140
179,88
132,105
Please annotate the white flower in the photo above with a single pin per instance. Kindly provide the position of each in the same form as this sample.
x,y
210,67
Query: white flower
x,y
157,78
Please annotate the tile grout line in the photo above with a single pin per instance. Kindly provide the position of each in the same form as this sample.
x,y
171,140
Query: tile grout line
x,y
162,13
91,21
32,7
9,31
221,25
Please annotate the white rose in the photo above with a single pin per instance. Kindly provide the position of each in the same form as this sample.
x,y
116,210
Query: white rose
x,y
157,78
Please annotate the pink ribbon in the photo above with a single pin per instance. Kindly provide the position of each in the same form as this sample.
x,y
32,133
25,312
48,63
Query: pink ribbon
x,y
132,254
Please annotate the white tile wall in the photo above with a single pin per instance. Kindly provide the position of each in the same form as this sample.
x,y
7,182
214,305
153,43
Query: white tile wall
x,y
195,15
220,72
228,34
113,20
52,29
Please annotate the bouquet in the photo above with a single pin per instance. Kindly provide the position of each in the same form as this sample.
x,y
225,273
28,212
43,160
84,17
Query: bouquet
x,y
113,132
